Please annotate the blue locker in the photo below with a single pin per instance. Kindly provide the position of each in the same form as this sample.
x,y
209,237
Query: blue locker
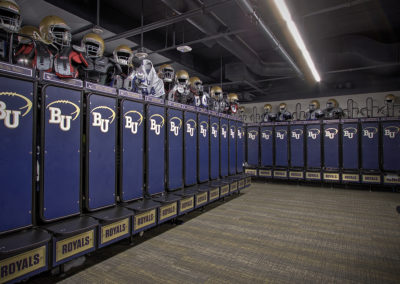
x,y
132,145
281,144
16,122
313,145
391,144
175,152
350,149
190,148
267,145
101,146
60,186
214,147
204,148
370,144
331,144
297,146
232,147
240,147
224,151
155,166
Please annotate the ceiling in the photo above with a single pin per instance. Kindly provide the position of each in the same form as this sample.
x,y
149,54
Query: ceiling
x,y
354,43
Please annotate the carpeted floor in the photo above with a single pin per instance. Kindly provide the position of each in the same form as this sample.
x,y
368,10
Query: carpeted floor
x,y
271,233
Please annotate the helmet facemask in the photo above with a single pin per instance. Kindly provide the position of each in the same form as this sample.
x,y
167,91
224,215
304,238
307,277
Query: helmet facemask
x,y
312,107
282,108
330,105
60,35
168,74
10,20
123,58
93,49
198,86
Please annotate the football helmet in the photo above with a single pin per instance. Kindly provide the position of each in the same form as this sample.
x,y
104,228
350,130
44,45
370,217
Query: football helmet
x,y
196,84
94,45
55,30
182,78
233,97
282,107
331,103
314,104
166,73
123,55
10,17
31,31
267,107
389,99
216,93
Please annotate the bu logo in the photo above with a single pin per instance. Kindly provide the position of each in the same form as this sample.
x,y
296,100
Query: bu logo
x,y
349,132
174,127
214,130
203,128
313,133
56,116
391,131
370,132
240,133
266,134
154,126
189,128
132,124
296,134
331,133
11,117
252,134
223,131
232,132
99,121
281,134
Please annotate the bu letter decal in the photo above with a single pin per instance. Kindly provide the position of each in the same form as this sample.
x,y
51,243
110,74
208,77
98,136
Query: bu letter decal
x,y
6,114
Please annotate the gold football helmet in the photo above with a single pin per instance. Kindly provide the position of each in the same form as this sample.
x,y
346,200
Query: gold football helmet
x,y
267,107
233,97
389,99
55,30
242,109
182,78
166,73
282,106
10,17
216,92
314,104
32,33
94,45
331,103
196,83
123,55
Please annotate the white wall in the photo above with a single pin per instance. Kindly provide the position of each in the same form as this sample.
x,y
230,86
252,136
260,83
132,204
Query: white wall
x,y
253,112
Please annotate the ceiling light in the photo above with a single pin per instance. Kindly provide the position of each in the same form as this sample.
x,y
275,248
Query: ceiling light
x,y
284,11
184,48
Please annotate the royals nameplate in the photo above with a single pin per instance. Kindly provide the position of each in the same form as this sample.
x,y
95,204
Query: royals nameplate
x,y
168,211
224,190
375,179
331,176
69,247
313,176
234,186
114,231
201,199
296,175
391,179
351,177
248,181
242,183
214,194
145,219
252,172
265,173
186,204
280,174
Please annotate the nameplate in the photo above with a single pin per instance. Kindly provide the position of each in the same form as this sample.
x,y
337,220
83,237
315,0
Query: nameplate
x,y
242,183
144,219
299,122
154,100
114,231
349,120
22,264
280,174
50,77
211,112
252,172
331,176
175,105
130,95
234,186
313,176
369,119
390,119
74,245
332,121
282,123
186,204
202,110
371,179
15,69
296,175
100,88
224,190
252,124
391,179
190,108
201,199
168,211
351,177
265,124
214,194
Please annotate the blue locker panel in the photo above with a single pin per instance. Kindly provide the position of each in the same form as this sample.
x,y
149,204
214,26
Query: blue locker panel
x,y
297,146
370,145
281,145
267,146
350,149
232,147
101,138
62,142
240,147
190,148
214,147
175,149
132,157
204,148
391,145
331,145
155,149
313,146
224,151
16,121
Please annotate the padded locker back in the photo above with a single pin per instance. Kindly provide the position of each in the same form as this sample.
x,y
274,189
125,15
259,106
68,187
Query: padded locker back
x,y
350,145
175,149
313,146
252,145
240,147
391,144
281,144
267,146
331,144
190,148
232,147
224,151
297,145
214,147
204,148
370,144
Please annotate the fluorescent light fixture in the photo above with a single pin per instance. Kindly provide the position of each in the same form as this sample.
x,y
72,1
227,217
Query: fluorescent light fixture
x,y
284,11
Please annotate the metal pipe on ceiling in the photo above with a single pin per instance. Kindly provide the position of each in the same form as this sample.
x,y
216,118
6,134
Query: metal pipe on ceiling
x,y
347,4
167,21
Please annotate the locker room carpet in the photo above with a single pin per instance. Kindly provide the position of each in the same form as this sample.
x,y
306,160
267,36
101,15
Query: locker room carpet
x,y
270,233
